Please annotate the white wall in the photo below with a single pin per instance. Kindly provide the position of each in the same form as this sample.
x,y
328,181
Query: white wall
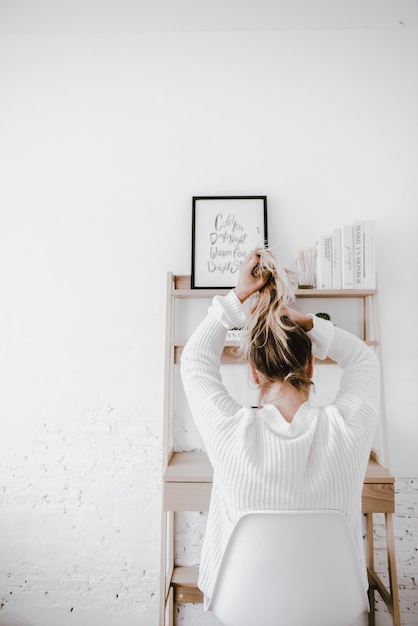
x,y
104,138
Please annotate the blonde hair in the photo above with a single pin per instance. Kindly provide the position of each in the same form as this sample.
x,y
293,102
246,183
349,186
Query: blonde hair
x,y
278,348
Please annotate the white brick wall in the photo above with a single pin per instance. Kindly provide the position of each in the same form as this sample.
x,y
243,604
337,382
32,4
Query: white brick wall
x,y
79,522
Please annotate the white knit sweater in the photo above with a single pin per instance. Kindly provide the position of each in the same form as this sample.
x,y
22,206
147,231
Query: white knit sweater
x,y
261,461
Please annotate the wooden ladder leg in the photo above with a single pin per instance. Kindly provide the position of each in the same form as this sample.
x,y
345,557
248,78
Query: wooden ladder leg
x,y
167,566
370,567
169,609
393,579
163,569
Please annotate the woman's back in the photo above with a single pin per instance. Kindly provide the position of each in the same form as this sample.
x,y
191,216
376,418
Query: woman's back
x,y
313,459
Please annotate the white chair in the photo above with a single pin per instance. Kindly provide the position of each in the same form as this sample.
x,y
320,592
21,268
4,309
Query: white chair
x,y
290,568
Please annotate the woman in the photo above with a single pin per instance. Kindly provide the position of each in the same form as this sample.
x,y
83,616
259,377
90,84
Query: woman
x,y
286,454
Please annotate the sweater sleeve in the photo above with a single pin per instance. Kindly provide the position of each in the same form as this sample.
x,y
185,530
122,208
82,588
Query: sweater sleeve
x,y
359,392
208,398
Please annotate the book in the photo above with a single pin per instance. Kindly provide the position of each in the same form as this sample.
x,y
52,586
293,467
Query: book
x,y
324,262
370,254
336,259
359,254
347,253
234,335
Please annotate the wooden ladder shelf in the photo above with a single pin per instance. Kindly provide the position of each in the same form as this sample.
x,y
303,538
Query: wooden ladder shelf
x,y
187,475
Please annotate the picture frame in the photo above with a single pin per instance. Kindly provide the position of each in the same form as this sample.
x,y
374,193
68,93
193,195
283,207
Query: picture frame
x,y
224,230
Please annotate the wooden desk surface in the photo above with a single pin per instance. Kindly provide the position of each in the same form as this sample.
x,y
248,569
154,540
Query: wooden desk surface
x,y
194,467
376,473
188,483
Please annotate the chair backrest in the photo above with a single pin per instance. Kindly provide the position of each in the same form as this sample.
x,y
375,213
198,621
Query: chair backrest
x,y
290,568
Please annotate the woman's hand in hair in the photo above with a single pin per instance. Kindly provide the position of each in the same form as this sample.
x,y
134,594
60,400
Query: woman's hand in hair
x,y
247,282
304,321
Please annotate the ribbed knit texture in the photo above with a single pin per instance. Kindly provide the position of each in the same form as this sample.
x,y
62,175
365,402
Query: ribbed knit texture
x,y
260,461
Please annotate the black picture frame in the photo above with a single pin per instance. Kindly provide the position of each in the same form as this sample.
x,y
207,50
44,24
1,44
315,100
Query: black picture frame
x,y
224,230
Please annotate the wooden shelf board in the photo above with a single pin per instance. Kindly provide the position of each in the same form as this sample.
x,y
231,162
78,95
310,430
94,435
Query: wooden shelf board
x,y
185,576
182,289
334,293
184,582
230,355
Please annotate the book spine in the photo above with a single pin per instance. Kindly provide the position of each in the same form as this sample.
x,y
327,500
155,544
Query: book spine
x,y
336,259
359,255
324,263
347,246
370,254
348,256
